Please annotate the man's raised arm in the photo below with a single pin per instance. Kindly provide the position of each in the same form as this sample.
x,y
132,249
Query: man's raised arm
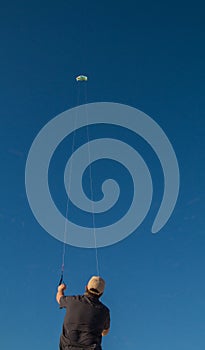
x,y
60,292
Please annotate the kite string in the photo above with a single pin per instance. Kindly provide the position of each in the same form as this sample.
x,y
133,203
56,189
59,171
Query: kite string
x,y
91,186
68,200
91,190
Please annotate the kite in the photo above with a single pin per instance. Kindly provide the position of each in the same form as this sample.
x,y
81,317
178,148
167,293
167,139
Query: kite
x,y
81,78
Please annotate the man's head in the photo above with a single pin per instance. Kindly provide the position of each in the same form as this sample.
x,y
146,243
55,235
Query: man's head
x,y
96,286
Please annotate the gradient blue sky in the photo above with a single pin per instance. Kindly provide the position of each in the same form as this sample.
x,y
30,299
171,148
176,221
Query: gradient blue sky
x,y
147,55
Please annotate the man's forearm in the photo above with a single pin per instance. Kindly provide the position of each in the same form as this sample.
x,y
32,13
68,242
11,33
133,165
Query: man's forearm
x,y
59,295
60,292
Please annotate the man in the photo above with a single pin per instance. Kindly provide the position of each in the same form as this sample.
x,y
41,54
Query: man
x,y
86,319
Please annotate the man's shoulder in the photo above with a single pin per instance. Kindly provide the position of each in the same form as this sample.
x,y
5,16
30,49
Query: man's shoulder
x,y
69,298
77,297
102,305
105,307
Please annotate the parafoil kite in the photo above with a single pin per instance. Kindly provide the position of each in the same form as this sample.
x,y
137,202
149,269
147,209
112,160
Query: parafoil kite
x,y
81,78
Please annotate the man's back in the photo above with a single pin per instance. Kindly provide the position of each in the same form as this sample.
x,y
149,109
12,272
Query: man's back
x,y
85,320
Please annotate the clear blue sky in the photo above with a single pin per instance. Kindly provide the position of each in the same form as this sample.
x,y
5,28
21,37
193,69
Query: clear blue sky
x,y
147,55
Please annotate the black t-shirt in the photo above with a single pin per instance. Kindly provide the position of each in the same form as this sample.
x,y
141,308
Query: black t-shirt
x,y
86,317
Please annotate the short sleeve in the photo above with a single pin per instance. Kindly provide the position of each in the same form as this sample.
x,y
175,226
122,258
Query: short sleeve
x,y
107,321
64,301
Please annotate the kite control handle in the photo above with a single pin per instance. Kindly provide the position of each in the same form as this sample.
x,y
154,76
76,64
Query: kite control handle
x,y
61,279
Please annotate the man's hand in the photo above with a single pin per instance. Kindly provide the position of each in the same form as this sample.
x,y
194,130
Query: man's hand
x,y
105,332
60,292
62,287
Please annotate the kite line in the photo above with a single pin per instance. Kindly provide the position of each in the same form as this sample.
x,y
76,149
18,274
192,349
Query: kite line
x,y
80,78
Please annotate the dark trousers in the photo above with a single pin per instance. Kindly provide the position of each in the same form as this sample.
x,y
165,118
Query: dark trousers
x,y
79,347
70,347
